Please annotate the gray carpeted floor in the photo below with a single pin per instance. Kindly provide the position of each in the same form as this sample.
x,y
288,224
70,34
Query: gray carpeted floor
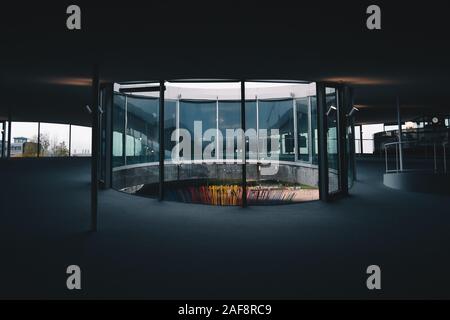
x,y
148,249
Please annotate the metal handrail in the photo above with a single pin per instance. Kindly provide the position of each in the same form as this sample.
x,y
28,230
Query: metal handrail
x,y
397,151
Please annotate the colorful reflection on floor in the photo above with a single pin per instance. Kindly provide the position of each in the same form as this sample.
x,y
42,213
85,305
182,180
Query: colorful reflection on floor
x,y
217,193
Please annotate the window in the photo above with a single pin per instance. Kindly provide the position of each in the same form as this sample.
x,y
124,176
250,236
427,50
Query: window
x,y
277,115
229,118
368,130
303,124
192,111
142,144
118,124
170,124
80,144
24,139
54,140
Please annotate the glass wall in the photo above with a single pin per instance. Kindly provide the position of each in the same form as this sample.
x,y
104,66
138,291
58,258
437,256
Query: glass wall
x,y
170,124
251,126
229,117
197,117
208,170
135,143
303,125
332,139
142,145
277,114
203,161
54,140
314,131
118,128
284,116
350,145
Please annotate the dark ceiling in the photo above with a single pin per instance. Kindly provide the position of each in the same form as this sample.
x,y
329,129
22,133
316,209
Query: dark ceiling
x,y
46,69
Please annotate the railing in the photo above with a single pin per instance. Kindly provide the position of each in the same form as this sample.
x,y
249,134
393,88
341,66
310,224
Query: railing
x,y
416,157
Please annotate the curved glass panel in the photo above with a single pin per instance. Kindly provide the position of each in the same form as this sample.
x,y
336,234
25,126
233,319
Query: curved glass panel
x,y
142,145
118,128
204,143
135,148
286,122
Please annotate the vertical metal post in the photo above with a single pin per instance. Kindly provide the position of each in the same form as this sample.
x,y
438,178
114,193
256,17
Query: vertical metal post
x,y
342,107
244,148
70,140
400,148
177,126
218,152
257,132
353,151
95,148
310,131
294,110
107,105
39,140
396,157
8,150
385,158
161,140
124,138
322,127
360,140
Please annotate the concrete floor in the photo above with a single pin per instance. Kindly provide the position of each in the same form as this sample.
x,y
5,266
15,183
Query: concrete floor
x,y
147,249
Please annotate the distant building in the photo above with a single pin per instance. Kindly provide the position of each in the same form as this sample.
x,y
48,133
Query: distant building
x,y
17,146
20,140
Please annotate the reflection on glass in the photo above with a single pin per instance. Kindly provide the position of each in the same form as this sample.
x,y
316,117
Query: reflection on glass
x,y
229,118
142,143
314,132
278,114
202,112
290,109
332,139
54,140
118,127
135,126
303,123
170,124
212,172
250,125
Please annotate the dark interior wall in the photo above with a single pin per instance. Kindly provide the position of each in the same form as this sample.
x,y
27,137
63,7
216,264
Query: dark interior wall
x,y
46,69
